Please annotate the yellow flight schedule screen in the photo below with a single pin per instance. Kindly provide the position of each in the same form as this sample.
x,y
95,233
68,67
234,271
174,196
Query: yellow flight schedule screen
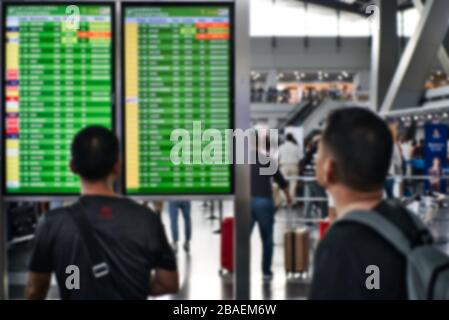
x,y
58,79
178,99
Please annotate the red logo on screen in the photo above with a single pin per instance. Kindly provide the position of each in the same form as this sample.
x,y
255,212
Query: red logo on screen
x,y
12,125
12,74
105,213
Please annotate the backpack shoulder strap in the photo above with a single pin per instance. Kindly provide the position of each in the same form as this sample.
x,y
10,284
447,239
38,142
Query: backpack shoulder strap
x,y
381,226
103,281
87,233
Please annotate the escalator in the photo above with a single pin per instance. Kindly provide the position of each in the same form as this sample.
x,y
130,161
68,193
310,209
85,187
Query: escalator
x,y
301,112
311,116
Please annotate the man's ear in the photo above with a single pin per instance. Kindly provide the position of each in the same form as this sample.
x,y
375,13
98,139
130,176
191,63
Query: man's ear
x,y
72,167
330,171
116,167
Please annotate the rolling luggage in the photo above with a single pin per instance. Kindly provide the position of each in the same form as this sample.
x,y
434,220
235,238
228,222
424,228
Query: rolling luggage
x,y
296,249
227,245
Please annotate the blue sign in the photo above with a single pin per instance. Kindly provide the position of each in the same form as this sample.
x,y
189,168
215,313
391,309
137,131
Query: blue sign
x,y
435,155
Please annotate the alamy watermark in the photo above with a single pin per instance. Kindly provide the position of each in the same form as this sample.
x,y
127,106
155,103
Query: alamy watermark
x,y
72,20
372,11
72,282
372,282
229,146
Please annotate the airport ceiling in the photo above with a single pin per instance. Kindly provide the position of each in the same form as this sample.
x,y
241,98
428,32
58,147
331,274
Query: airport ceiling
x,y
354,6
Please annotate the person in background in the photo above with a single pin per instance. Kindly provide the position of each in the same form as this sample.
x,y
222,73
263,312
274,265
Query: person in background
x,y
418,153
407,148
435,173
262,206
413,150
289,158
352,163
396,166
346,94
407,153
138,258
418,167
185,207
311,188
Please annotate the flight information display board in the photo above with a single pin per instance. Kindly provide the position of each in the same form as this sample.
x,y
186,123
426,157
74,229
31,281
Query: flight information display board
x,y
58,78
178,61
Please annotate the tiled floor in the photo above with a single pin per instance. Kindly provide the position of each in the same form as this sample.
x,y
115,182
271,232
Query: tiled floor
x,y
199,270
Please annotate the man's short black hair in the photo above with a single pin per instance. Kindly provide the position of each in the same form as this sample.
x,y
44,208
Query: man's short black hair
x,y
361,145
95,151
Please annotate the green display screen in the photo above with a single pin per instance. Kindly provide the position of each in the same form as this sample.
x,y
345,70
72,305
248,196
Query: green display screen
x,y
178,75
58,79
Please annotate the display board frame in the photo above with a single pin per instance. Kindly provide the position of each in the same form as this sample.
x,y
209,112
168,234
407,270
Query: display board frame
x,y
45,196
240,118
232,112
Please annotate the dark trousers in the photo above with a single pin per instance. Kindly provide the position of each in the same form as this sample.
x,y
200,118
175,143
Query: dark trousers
x,y
389,187
262,213
173,208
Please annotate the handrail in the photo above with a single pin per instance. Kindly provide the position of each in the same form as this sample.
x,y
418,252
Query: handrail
x,y
440,92
434,106
299,108
436,100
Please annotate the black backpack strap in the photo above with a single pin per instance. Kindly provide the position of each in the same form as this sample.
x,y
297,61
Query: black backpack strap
x,y
100,269
403,242
381,226
419,234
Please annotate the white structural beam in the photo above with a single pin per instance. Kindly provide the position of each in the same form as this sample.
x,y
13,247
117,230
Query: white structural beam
x,y
442,54
418,58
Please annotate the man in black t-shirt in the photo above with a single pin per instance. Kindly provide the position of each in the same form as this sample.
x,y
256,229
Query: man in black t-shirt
x,y
130,236
352,164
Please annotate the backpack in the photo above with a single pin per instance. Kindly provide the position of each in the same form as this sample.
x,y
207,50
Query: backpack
x,y
103,282
427,274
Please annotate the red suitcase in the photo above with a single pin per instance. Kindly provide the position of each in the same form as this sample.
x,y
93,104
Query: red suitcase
x,y
227,245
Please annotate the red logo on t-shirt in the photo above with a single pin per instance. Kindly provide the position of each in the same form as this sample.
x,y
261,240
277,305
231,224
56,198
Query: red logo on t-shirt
x,y
105,213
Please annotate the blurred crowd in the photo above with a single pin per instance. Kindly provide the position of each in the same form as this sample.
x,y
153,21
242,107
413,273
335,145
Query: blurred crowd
x,y
295,95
